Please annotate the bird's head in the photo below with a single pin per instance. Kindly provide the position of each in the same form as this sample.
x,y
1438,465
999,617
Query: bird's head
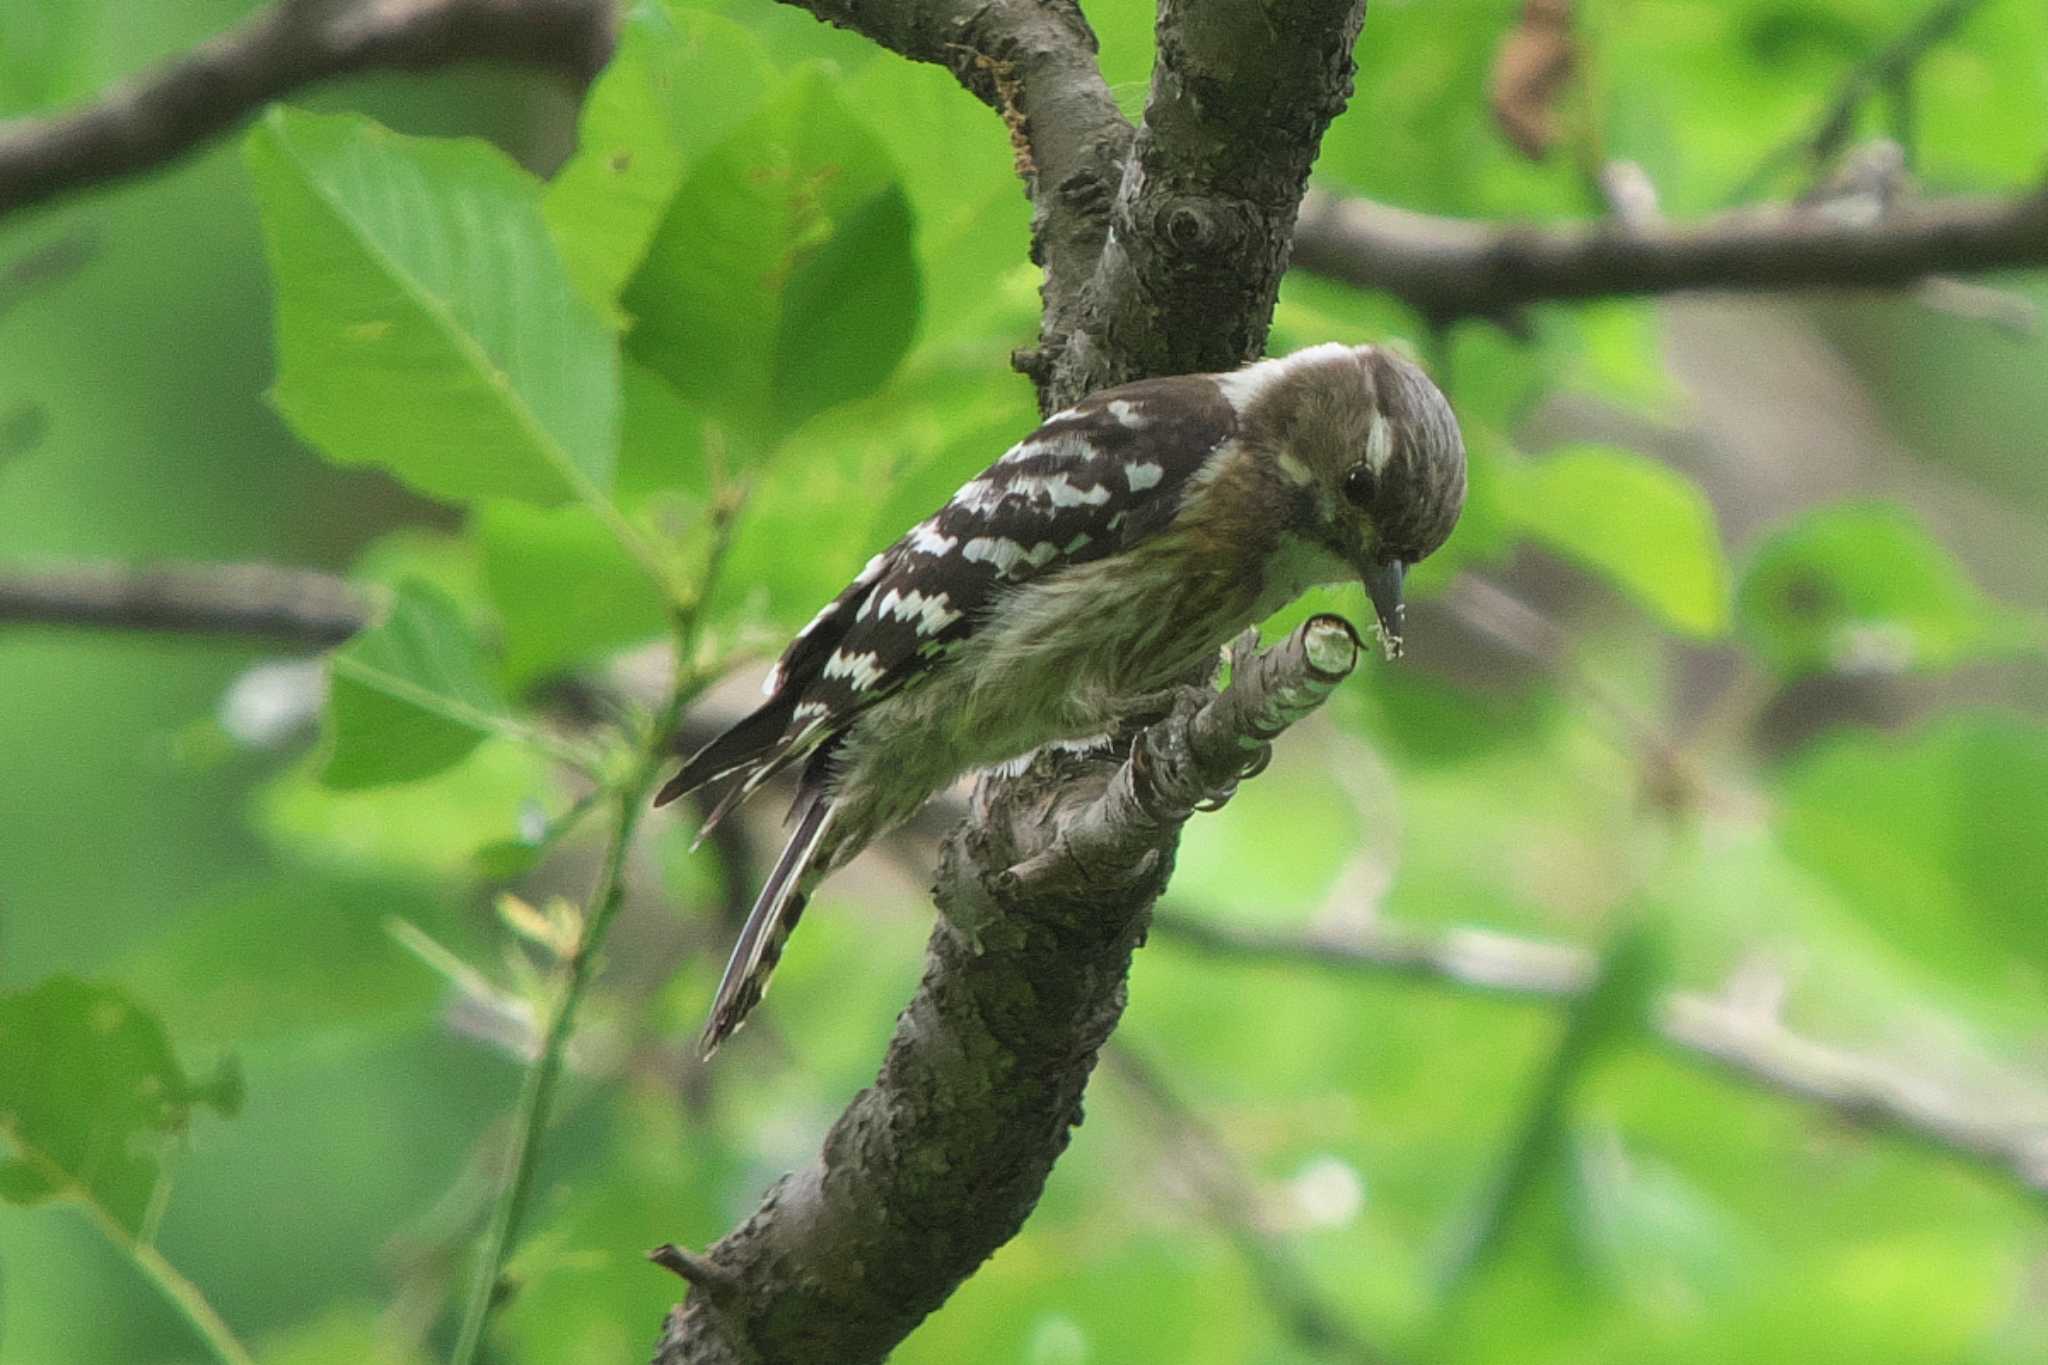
x,y
1367,456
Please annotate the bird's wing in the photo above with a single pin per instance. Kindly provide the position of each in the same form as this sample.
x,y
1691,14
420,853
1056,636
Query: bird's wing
x,y
1093,480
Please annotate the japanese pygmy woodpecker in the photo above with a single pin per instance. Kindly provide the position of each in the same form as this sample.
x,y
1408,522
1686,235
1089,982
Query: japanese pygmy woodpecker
x,y
1101,561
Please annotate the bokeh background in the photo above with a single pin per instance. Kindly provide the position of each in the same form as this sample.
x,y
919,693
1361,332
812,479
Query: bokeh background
x,y
1729,691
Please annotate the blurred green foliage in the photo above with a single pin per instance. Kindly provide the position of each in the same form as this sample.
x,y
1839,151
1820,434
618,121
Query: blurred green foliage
x,y
1786,747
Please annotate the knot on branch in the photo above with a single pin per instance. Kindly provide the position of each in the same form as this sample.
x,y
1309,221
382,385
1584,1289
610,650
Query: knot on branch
x,y
1202,231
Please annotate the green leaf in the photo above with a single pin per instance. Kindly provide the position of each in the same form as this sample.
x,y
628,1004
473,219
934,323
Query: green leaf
x,y
1614,1011
564,588
1646,1226
1644,527
661,440
1290,837
432,827
783,279
849,311
89,1093
677,83
425,322
345,1333
973,217
443,560
1933,838
411,696
296,955
1863,586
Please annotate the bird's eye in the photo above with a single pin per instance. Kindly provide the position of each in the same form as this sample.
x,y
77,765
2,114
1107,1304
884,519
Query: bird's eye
x,y
1360,485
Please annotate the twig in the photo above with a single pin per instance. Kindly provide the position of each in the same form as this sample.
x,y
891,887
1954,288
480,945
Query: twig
x,y
299,606
187,1298
700,1273
536,1095
1450,268
1890,65
940,1162
1749,1045
1233,1202
167,112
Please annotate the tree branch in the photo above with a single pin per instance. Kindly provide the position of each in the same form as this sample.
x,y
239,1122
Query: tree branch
x,y
1750,1045
167,112
1240,97
1450,268
1888,66
1045,892
299,606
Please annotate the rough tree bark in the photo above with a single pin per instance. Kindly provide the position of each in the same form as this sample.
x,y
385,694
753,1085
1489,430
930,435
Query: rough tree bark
x,y
1200,227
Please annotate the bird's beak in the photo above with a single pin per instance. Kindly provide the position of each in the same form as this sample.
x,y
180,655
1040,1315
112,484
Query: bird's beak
x,y
1383,584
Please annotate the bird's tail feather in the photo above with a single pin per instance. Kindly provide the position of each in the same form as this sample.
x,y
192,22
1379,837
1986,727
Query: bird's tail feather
x,y
752,740
775,914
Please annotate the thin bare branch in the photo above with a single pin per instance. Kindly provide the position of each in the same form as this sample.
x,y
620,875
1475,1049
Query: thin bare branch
x,y
1749,1044
296,606
1887,67
1450,268
169,111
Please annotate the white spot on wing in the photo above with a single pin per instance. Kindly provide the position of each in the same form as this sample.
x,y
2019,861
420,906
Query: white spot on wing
x,y
1000,551
979,496
863,669
1126,412
1143,474
1025,450
1059,490
931,612
926,538
1007,554
1068,447
872,570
